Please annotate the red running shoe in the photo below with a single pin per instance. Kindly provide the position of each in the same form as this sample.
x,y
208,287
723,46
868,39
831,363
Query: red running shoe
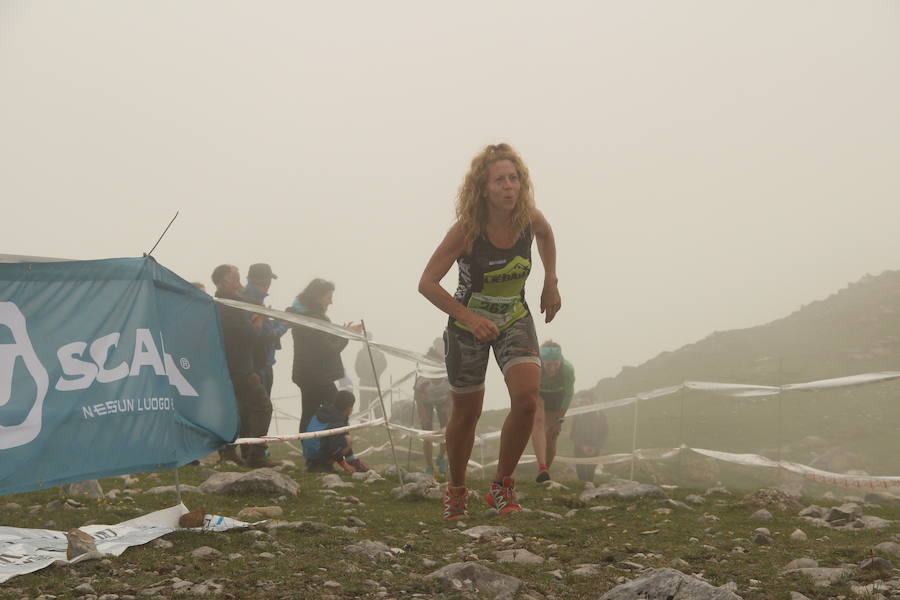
x,y
455,504
503,497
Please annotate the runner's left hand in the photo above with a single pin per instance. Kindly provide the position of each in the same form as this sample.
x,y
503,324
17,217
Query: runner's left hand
x,y
550,301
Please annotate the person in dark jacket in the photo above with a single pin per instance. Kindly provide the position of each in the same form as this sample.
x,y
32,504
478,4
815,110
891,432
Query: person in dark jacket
x,y
322,453
317,354
259,279
240,331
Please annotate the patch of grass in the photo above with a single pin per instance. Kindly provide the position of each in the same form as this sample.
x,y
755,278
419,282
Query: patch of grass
x,y
304,559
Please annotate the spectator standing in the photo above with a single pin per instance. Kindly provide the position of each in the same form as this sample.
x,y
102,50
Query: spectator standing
x,y
241,331
317,354
259,280
433,396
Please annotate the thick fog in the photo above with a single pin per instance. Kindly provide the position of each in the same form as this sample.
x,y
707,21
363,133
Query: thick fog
x,y
704,165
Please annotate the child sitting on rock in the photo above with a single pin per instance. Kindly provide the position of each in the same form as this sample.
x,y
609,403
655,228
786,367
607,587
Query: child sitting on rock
x,y
322,453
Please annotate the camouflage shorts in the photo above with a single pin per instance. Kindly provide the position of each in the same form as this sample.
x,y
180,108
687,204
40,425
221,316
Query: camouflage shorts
x,y
467,358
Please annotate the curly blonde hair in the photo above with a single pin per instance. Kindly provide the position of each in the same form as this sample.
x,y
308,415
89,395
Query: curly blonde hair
x,y
471,201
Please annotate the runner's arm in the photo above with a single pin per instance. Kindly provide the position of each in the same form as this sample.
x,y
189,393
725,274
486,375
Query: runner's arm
x,y
546,244
450,249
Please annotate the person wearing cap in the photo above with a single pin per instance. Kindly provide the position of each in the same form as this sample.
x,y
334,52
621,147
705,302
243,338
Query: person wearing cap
x,y
556,391
259,280
241,332
432,395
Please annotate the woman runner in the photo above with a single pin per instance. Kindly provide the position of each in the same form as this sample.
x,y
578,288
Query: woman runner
x,y
496,221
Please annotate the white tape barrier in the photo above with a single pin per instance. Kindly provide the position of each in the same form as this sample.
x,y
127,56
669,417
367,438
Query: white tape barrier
x,y
27,550
747,460
318,324
308,435
736,390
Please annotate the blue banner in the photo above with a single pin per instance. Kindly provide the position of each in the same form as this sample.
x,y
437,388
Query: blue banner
x,y
107,367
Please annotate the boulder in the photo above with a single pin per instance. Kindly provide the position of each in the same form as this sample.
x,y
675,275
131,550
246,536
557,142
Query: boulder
x,y
485,532
892,548
623,490
333,480
171,489
519,555
258,513
83,489
79,543
374,551
482,579
669,584
823,576
774,498
258,481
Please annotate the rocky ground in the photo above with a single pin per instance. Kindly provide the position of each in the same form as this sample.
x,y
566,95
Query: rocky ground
x,y
365,536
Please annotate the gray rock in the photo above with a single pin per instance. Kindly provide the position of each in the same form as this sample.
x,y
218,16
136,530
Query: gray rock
x,y
892,548
333,480
623,490
798,596
83,489
845,512
205,552
485,532
483,580
170,489
587,570
695,499
519,555
217,482
813,511
374,551
774,498
823,576
669,584
761,515
885,498
798,536
720,491
428,490
801,563
79,543
258,481
876,564
355,522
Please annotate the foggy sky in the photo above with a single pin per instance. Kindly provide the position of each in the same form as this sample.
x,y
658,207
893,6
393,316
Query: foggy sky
x,y
705,165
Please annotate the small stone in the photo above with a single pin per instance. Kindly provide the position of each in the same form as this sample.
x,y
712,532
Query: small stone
x,y
205,552
266,555
331,585
761,515
163,544
876,564
801,563
798,536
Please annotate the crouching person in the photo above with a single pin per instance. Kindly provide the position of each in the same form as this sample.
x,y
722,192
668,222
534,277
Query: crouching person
x,y
323,453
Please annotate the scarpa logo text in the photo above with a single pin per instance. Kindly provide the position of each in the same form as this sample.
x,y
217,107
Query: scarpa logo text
x,y
82,365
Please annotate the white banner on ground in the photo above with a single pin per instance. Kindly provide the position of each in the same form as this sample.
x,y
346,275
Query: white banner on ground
x,y
318,324
27,550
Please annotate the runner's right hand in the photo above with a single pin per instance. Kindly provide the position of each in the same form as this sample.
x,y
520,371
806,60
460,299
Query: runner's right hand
x,y
484,329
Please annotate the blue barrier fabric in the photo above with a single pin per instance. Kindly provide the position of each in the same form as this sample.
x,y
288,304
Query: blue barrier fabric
x,y
107,367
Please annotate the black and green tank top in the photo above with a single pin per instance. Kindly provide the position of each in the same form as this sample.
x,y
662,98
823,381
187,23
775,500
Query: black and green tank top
x,y
492,280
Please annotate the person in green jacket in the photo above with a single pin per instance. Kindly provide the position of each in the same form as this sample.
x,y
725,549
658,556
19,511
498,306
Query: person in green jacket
x,y
556,391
